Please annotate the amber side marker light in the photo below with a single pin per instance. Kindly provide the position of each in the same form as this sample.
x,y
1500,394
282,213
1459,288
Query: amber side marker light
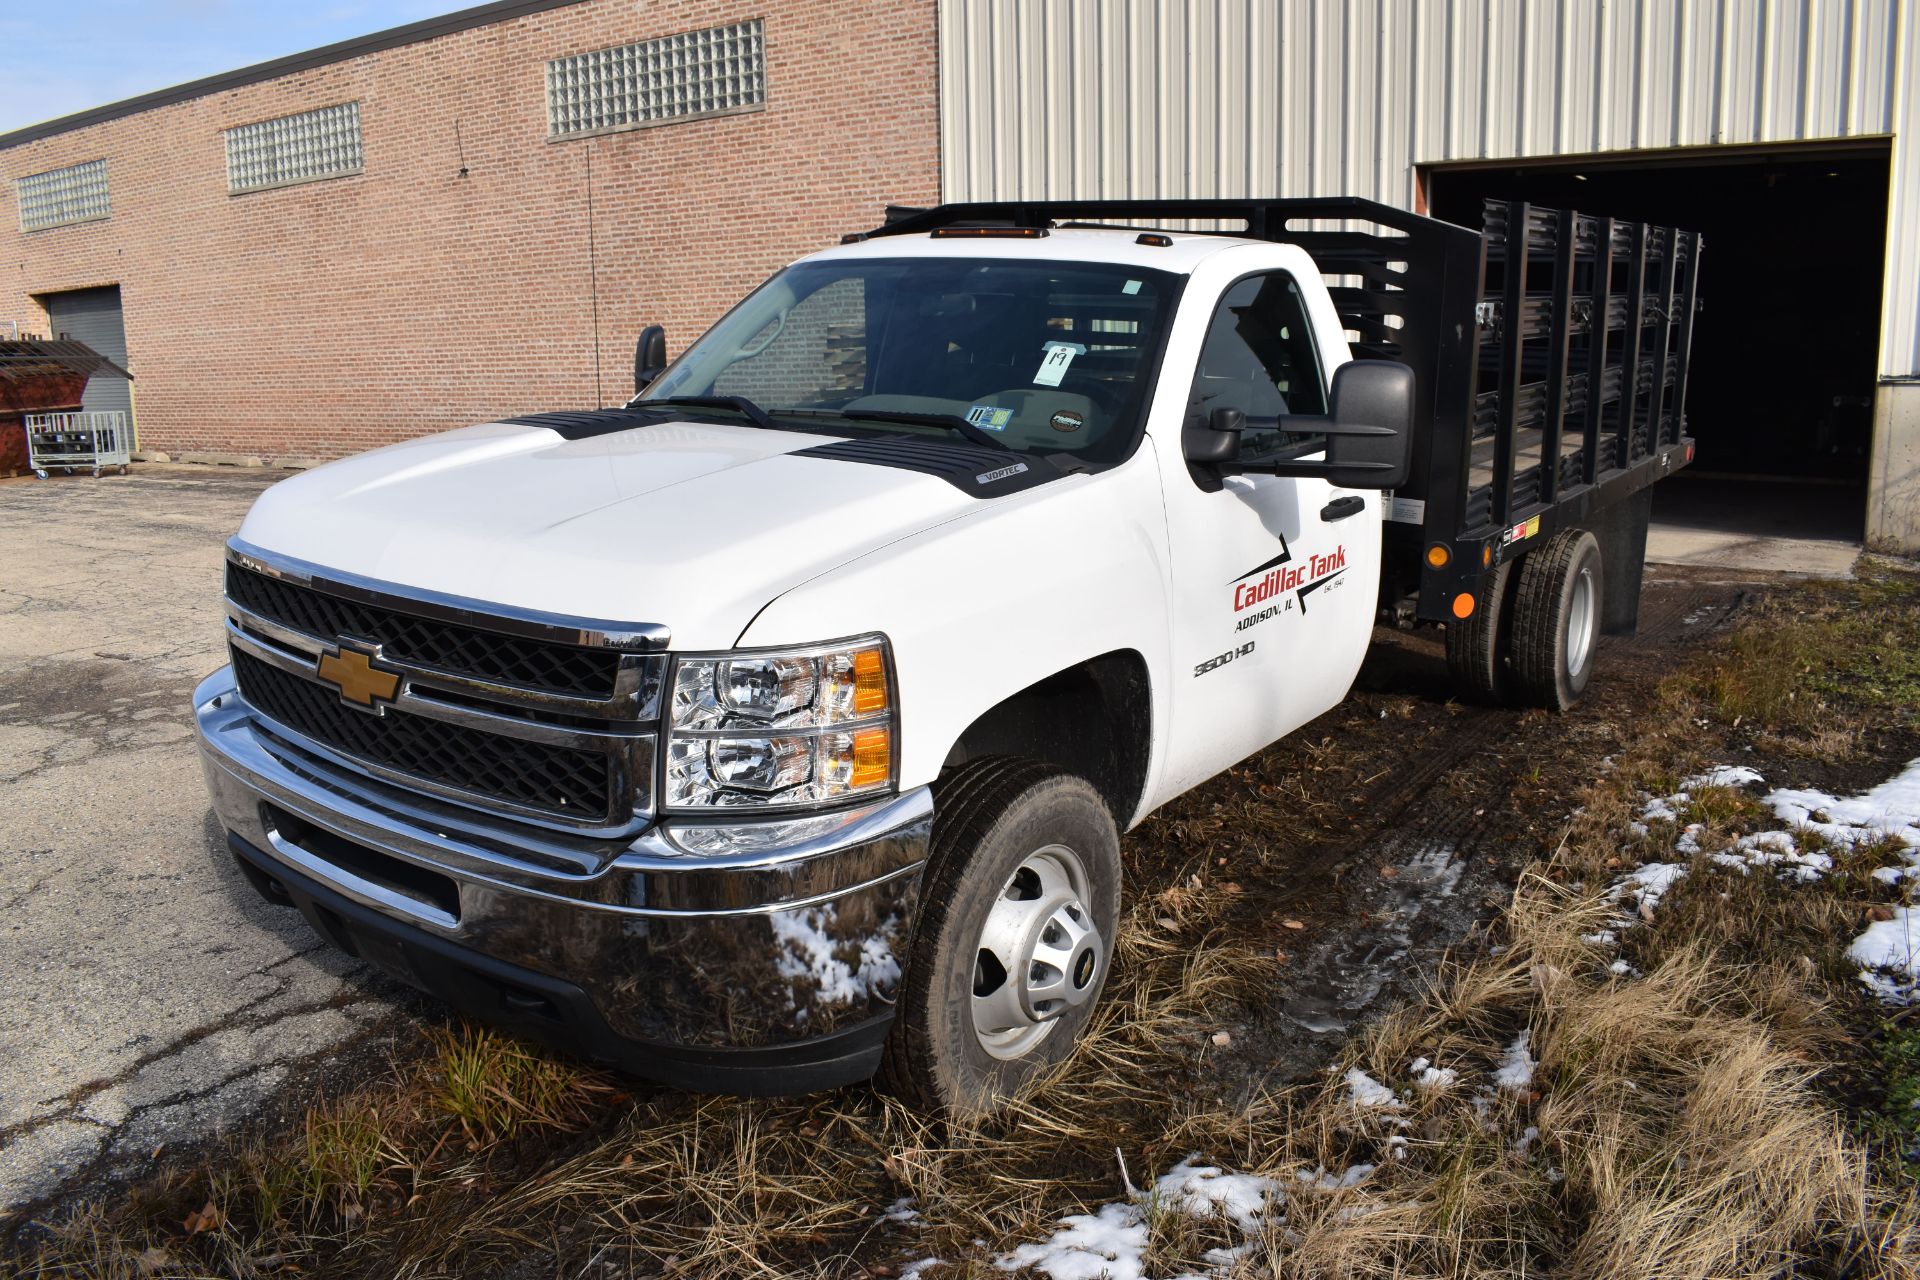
x,y
872,757
1463,605
1438,555
987,233
1153,239
1486,556
869,682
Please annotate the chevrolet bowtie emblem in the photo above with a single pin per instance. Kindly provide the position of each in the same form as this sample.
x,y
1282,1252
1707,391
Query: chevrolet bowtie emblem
x,y
350,669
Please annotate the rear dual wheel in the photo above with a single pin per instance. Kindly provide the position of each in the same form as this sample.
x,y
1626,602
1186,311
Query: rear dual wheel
x,y
1019,905
1535,628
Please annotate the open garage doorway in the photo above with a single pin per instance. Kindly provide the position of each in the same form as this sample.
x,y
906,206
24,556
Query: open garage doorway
x,y
1780,392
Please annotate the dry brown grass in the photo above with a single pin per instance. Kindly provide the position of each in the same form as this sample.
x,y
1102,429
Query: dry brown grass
x,y
1685,1123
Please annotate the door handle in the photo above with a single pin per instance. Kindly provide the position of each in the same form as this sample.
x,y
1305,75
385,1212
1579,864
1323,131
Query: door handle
x,y
1340,508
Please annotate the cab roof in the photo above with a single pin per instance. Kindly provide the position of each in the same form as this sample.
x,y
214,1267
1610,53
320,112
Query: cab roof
x,y
1132,231
1176,251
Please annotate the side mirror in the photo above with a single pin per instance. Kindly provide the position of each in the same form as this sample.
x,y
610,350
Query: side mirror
x,y
1369,433
649,356
1370,442
1217,443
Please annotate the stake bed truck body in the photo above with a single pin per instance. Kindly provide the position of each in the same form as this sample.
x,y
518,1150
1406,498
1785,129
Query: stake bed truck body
x,y
777,728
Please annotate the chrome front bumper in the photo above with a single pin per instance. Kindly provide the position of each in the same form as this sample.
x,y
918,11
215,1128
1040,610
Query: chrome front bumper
x,y
748,957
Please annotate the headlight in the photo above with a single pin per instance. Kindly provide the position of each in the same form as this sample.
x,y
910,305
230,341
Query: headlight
x,y
780,728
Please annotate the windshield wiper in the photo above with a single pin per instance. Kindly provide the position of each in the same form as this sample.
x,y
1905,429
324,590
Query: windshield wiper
x,y
951,421
739,404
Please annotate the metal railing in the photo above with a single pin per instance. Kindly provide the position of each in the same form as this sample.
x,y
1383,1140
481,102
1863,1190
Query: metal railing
x,y
91,439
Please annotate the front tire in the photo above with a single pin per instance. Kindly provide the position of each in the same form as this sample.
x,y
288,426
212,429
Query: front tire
x,y
1018,912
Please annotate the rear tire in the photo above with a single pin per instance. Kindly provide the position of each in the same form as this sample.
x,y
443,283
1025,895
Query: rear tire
x,y
1018,911
1556,620
1477,645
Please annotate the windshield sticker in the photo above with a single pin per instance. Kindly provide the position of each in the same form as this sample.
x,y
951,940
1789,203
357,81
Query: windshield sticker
x,y
989,418
1131,286
1054,365
1065,420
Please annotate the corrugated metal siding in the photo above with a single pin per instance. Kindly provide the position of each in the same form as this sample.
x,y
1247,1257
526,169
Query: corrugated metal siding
x,y
1322,97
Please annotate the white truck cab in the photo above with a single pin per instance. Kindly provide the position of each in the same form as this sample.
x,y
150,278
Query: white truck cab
x,y
778,728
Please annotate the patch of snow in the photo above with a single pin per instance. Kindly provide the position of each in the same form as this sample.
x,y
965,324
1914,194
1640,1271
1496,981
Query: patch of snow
x,y
1108,1245
1649,883
1111,1242
1890,809
914,1270
1622,969
1365,1092
1530,1136
1321,1180
1427,1076
1723,775
1661,809
1203,1191
1516,1066
902,1210
1689,841
1776,849
1225,1258
1888,953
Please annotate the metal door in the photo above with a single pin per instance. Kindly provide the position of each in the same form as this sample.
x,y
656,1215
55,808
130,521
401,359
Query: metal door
x,y
93,316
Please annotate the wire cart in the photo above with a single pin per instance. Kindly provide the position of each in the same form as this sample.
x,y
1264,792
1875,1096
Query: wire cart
x,y
72,442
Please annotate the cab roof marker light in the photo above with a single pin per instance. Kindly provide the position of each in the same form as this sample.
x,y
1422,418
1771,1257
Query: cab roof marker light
x,y
987,233
1153,239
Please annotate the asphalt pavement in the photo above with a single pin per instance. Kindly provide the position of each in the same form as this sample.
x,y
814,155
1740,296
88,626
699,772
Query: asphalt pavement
x,y
150,997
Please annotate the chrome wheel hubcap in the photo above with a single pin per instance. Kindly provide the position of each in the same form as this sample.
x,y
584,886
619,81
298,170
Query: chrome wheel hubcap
x,y
1039,953
1580,620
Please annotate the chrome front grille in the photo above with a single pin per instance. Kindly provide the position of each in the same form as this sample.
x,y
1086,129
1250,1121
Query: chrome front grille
x,y
547,718
515,660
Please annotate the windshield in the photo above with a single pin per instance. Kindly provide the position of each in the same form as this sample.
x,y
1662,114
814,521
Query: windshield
x,y
1046,357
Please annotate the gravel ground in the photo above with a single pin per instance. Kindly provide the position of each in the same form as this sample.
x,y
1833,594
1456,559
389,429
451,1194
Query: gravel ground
x,y
153,999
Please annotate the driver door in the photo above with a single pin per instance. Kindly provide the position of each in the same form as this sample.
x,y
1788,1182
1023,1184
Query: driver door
x,y
1273,580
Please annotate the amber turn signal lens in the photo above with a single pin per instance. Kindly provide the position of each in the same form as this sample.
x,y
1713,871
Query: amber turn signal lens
x,y
872,757
1463,605
869,682
1438,555
1486,556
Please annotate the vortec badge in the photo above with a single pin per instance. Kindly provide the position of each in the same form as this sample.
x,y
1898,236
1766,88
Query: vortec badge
x,y
989,477
350,669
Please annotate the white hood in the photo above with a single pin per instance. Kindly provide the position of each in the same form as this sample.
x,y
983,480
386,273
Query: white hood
x,y
694,526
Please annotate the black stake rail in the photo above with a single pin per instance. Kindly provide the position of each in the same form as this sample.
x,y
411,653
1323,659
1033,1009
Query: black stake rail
x,y
1548,326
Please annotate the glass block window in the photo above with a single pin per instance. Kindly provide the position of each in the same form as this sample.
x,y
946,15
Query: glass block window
x,y
302,148
698,73
77,193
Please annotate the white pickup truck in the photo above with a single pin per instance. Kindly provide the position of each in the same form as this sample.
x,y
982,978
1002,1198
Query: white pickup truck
x,y
778,728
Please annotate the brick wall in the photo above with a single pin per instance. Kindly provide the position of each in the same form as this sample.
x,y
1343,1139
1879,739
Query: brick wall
x,y
333,316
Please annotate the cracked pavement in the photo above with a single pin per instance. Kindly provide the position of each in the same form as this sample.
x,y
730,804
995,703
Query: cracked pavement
x,y
153,998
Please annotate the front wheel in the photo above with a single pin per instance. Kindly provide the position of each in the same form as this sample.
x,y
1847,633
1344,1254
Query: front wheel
x,y
1019,907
